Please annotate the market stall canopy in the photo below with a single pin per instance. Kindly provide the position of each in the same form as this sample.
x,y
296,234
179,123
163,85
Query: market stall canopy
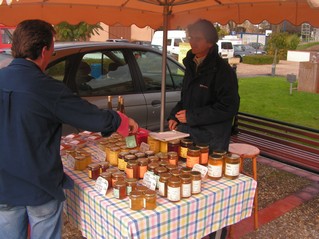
x,y
150,12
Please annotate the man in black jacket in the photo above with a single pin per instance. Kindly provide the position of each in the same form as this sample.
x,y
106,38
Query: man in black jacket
x,y
209,97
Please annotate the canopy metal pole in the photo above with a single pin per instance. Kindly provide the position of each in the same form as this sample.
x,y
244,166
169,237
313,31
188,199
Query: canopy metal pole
x,y
164,61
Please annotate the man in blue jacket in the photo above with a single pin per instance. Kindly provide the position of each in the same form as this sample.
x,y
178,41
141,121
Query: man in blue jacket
x,y
33,107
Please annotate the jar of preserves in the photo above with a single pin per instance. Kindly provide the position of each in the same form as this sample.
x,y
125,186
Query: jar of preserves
x,y
215,166
172,158
131,184
94,170
162,184
153,158
132,169
140,155
104,166
107,176
87,156
119,189
162,156
113,156
136,200
150,199
117,176
158,171
232,166
127,158
154,144
183,148
174,187
141,188
149,153
196,182
223,154
142,166
120,160
186,184
170,167
173,145
192,158
79,163
175,172
151,166
163,146
108,150
204,152
186,170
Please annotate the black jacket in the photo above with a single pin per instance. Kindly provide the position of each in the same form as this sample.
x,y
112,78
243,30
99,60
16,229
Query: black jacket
x,y
210,96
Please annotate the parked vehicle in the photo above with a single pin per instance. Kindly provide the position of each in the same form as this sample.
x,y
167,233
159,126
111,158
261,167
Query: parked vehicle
x,y
241,50
174,38
97,70
256,45
5,36
117,40
225,49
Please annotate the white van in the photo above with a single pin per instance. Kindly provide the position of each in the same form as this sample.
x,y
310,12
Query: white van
x,y
225,49
174,37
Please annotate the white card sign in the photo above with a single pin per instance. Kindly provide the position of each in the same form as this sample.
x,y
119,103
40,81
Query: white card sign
x,y
149,180
101,185
200,168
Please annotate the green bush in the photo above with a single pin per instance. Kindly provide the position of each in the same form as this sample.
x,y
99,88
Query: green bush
x,y
259,59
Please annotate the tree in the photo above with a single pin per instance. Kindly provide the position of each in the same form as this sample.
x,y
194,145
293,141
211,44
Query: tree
x,y
282,42
78,32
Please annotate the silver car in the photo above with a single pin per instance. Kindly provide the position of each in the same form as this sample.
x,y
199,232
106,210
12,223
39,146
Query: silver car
x,y
96,70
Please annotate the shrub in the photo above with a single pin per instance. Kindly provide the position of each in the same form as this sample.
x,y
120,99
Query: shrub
x,y
259,59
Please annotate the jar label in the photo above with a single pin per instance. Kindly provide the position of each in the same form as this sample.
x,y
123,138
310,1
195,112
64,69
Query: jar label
x,y
173,194
128,190
215,170
191,161
203,158
129,172
186,190
161,189
121,164
196,186
183,152
231,169
116,193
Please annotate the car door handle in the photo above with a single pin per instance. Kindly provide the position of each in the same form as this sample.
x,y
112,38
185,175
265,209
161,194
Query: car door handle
x,y
156,103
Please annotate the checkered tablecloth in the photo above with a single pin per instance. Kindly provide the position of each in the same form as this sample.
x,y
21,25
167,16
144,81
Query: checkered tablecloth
x,y
221,203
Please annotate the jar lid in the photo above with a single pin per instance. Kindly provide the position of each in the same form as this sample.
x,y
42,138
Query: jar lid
x,y
220,152
163,162
79,157
104,164
216,156
132,162
150,192
140,155
172,154
185,176
193,149
141,188
112,170
202,146
152,166
131,180
130,157
122,154
233,156
186,170
94,166
142,161
153,158
162,155
106,174
165,176
120,183
115,148
133,151
196,174
171,167
175,180
136,194
175,172
187,141
160,169
174,142
118,175
149,152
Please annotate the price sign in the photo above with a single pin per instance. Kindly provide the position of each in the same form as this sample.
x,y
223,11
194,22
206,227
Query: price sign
x,y
101,185
144,147
200,168
149,180
130,141
70,161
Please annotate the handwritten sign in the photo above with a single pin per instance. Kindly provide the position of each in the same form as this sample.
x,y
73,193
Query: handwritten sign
x,y
101,185
200,168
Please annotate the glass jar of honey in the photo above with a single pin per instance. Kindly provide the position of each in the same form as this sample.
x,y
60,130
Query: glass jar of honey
x,y
104,166
173,145
87,156
132,169
162,184
121,164
113,156
131,184
162,156
196,182
151,166
127,158
232,166
215,167
158,171
174,186
119,189
204,152
186,184
192,158
154,144
172,157
183,148
94,170
150,199
107,176
136,200
142,167
117,176
79,163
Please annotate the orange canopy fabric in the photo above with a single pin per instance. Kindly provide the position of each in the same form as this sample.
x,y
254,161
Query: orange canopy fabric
x,y
150,12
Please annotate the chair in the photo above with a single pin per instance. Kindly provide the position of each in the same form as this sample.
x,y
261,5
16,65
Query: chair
x,y
247,151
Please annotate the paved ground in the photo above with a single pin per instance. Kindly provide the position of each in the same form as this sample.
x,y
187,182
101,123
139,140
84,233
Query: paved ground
x,y
281,69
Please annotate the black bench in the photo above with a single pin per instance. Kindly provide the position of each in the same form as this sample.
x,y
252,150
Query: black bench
x,y
288,143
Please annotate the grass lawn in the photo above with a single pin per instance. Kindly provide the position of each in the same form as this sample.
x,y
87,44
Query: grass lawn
x,y
269,97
